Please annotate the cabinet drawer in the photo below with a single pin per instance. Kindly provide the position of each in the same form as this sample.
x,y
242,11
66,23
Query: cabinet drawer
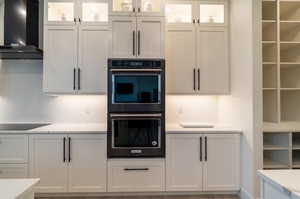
x,y
136,175
13,171
13,149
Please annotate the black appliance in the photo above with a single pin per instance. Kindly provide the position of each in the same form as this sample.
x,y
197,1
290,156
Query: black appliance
x,y
20,29
136,135
136,108
136,85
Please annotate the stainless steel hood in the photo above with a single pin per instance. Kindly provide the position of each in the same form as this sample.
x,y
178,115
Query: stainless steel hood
x,y
19,29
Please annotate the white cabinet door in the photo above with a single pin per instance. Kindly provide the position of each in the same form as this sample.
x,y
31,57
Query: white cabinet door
x,y
213,60
93,54
93,12
47,163
60,12
124,37
222,168
13,149
181,60
150,7
136,175
123,7
150,37
87,167
60,59
13,171
183,165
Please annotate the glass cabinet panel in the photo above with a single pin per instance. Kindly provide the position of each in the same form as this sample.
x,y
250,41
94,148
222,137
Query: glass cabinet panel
x,y
179,13
122,5
212,13
60,11
151,5
94,12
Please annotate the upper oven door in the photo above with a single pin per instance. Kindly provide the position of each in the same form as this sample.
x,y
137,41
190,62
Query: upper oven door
x,y
135,90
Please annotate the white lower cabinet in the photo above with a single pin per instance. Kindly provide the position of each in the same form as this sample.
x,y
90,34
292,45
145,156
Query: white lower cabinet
x,y
13,149
13,171
68,163
209,162
132,175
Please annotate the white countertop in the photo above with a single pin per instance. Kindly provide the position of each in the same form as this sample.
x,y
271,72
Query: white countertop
x,y
287,179
14,188
102,128
177,128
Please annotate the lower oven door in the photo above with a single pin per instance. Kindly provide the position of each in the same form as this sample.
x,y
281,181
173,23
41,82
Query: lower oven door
x,y
136,135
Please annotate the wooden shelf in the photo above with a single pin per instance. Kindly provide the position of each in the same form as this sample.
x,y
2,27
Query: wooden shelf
x,y
274,148
290,89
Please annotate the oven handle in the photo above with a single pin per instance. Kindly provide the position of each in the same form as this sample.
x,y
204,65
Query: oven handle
x,y
135,70
135,115
136,169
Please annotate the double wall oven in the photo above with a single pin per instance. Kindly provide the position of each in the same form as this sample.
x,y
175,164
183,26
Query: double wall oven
x,y
136,108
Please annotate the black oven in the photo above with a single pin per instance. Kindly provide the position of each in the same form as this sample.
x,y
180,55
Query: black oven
x,y
136,86
136,135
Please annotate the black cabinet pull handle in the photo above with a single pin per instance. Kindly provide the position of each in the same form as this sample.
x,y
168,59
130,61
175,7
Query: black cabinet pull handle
x,y
200,149
79,19
69,149
79,76
74,79
75,20
198,79
194,20
64,149
205,149
139,42
133,43
194,79
198,21
136,169
133,9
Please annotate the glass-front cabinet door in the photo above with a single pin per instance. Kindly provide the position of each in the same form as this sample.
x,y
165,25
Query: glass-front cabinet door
x,y
60,12
212,13
180,12
137,7
93,12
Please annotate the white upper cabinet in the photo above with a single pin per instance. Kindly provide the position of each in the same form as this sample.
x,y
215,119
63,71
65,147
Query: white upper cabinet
x,y
197,47
92,59
72,12
150,37
137,7
76,51
63,12
124,37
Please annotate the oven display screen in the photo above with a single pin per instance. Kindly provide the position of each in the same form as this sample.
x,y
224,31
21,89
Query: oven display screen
x,y
141,133
136,89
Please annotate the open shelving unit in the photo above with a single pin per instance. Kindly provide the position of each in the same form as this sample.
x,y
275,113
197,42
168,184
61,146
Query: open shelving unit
x,y
281,83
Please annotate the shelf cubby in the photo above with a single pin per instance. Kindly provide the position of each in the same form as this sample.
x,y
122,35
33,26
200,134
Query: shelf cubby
x,y
269,10
289,76
270,76
290,10
296,141
290,99
290,32
290,52
276,141
296,159
276,159
270,52
270,106
269,30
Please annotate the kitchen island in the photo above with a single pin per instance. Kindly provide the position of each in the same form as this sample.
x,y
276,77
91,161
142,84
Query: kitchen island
x,y
17,188
280,184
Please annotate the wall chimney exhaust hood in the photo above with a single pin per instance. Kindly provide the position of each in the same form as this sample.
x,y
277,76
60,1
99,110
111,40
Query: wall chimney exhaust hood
x,y
19,29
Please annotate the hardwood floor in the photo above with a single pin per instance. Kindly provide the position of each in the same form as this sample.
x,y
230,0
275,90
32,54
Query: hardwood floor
x,y
151,197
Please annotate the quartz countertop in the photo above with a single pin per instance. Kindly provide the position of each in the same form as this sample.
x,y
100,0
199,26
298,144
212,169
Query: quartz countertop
x,y
177,128
15,188
284,179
